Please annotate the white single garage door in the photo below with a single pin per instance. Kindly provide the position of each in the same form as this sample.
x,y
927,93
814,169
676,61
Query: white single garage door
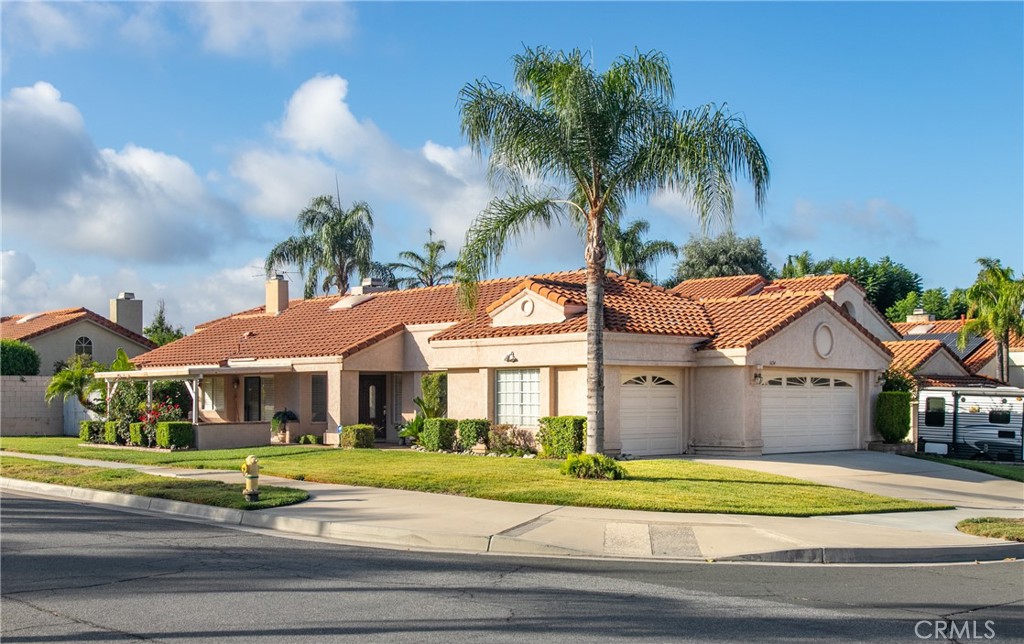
x,y
650,414
808,412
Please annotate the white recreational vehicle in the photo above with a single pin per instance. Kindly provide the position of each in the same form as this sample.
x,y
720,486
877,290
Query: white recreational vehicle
x,y
971,422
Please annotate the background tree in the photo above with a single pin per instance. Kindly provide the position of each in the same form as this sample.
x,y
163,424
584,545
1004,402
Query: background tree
x,y
18,358
722,256
631,254
899,311
574,144
332,244
159,330
426,269
995,303
885,281
802,265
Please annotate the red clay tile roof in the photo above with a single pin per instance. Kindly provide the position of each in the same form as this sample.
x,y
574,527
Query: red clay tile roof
x,y
554,291
37,324
981,356
719,287
911,354
935,326
978,358
957,381
630,306
812,283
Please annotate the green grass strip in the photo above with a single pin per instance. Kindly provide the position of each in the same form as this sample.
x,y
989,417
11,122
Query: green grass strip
x,y
158,487
996,527
1012,472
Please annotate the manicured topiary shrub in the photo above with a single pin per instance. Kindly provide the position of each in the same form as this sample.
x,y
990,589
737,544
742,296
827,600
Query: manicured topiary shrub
x,y
18,358
512,440
358,436
174,434
892,415
438,434
560,436
593,466
110,432
91,431
435,394
473,431
135,434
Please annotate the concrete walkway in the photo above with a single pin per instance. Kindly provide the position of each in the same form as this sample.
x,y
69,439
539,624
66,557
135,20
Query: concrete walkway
x,y
419,520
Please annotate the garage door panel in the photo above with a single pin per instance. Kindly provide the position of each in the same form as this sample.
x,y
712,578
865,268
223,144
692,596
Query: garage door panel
x,y
799,413
650,413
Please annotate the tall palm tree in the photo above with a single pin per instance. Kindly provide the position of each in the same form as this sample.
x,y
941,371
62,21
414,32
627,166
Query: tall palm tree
x,y
798,265
76,380
633,256
596,140
994,306
426,269
332,244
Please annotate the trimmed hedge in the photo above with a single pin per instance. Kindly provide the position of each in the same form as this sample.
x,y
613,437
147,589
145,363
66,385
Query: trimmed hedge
x,y
509,439
560,436
892,415
358,436
174,434
110,432
18,358
135,433
309,439
592,466
435,392
438,434
473,431
91,431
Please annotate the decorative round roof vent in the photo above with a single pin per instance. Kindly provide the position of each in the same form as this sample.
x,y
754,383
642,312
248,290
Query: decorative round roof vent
x,y
526,306
824,340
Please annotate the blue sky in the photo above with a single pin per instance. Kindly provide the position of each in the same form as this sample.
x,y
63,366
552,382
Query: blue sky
x,y
164,148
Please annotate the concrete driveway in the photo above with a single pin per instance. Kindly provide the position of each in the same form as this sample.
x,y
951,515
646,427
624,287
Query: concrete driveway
x,y
891,475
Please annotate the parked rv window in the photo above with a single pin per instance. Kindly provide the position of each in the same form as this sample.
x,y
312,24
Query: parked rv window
x,y
935,412
999,417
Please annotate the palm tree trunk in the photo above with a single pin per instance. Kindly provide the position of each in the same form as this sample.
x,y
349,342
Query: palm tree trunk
x,y
1004,372
595,258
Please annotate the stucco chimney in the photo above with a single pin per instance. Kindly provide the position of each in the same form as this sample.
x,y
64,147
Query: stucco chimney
x,y
919,316
368,285
127,311
277,294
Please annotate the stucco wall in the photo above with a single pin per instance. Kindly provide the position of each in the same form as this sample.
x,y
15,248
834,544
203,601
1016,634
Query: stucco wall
x,y
865,314
942,364
24,412
1017,368
570,391
726,411
231,435
60,344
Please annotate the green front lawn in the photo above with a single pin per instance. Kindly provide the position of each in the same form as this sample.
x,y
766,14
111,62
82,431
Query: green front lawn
x,y
996,527
1012,472
158,487
660,485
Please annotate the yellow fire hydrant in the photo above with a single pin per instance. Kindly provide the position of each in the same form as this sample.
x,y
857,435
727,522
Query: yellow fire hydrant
x,y
251,471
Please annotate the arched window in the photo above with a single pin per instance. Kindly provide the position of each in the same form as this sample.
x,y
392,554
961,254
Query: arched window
x,y
83,346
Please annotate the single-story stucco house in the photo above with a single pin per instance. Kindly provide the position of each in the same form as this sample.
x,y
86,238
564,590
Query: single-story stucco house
x,y
705,368
979,354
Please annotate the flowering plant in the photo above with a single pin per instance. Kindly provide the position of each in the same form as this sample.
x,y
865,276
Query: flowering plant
x,y
156,413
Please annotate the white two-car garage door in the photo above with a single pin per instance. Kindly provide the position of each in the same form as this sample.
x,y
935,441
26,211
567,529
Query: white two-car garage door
x,y
808,412
650,414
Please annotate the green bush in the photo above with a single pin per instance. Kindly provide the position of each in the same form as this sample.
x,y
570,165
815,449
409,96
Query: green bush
x,y
509,439
897,379
560,436
592,466
91,431
174,434
110,432
438,434
18,358
435,394
358,436
412,429
473,431
892,415
135,434
309,439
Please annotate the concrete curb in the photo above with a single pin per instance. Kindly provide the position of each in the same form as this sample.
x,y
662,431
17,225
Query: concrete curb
x,y
934,554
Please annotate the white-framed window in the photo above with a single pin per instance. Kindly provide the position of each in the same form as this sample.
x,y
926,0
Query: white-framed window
x,y
267,396
213,394
318,394
83,346
517,396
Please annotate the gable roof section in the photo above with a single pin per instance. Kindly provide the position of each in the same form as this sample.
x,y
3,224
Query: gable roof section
x,y
977,359
630,306
720,287
911,354
28,326
555,291
957,381
812,283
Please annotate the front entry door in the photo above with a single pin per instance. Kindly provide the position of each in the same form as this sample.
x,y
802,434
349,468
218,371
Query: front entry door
x,y
252,401
372,411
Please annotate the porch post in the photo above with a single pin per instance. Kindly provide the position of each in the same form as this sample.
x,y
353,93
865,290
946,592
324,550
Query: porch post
x,y
195,401
149,393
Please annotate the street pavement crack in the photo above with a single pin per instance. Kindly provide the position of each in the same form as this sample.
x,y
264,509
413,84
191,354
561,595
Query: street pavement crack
x,y
76,620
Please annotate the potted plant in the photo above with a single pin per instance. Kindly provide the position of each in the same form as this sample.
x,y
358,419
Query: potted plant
x,y
411,432
279,424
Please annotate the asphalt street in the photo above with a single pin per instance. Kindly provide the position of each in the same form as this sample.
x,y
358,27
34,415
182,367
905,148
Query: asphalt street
x,y
81,573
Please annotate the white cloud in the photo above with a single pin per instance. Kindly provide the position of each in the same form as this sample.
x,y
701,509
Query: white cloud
x,y
134,203
45,26
876,219
275,28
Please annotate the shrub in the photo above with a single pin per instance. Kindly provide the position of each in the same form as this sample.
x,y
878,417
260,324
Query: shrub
x,y
174,393
280,419
438,434
561,436
896,379
309,439
413,428
110,432
18,358
892,415
135,434
174,434
125,405
91,431
592,466
473,431
434,402
509,439
358,436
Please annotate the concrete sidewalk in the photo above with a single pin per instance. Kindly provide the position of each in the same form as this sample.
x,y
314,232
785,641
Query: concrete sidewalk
x,y
419,520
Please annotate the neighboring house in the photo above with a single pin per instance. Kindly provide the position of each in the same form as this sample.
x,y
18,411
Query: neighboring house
x,y
58,335
740,371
